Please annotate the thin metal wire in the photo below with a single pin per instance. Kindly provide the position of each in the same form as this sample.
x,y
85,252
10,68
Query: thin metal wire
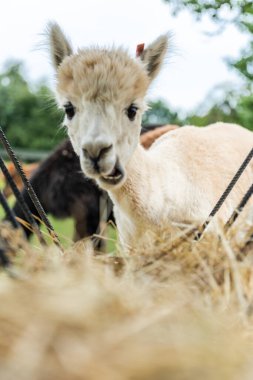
x,y
225,194
239,208
29,189
8,211
22,203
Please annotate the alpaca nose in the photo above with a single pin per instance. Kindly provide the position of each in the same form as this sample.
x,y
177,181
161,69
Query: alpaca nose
x,y
95,151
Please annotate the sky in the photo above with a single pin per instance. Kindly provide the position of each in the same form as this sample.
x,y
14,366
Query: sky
x,y
195,63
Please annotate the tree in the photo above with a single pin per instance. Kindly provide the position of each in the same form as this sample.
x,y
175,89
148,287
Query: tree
x,y
159,113
241,12
25,114
230,106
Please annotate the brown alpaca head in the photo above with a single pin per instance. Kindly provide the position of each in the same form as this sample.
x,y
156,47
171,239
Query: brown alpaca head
x,y
102,92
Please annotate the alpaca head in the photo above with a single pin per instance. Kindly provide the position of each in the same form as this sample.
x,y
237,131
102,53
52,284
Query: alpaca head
x,y
102,92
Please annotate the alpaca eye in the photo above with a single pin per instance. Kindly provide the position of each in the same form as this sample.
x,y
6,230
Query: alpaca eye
x,y
131,112
69,110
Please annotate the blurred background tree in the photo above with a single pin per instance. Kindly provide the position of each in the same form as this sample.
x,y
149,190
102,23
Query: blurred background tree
x,y
159,113
27,113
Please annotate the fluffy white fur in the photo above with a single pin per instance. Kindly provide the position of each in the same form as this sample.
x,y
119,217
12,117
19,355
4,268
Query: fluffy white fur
x,y
183,174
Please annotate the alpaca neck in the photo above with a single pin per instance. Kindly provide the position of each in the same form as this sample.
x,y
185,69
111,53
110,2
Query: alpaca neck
x,y
134,191
136,202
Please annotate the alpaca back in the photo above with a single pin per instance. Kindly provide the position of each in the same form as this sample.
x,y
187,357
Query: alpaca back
x,y
207,159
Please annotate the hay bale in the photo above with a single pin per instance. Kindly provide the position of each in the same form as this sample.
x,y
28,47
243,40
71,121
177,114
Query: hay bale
x,y
185,316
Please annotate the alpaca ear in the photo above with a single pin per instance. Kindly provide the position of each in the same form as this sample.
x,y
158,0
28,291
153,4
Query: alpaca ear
x,y
153,56
60,46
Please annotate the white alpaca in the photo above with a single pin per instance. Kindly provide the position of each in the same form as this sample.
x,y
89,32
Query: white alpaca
x,y
183,174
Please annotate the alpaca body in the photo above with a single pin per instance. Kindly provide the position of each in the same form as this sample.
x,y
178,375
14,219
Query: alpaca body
x,y
181,177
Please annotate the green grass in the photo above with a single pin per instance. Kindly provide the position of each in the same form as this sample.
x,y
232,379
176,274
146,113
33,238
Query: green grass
x,y
64,229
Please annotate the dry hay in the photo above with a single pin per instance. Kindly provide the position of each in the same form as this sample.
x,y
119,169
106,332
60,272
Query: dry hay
x,y
158,314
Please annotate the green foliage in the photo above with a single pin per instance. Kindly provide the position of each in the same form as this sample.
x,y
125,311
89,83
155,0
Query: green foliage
x,y
159,113
239,12
244,65
27,116
232,108
245,111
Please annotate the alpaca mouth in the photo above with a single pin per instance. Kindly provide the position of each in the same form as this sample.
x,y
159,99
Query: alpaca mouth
x,y
115,176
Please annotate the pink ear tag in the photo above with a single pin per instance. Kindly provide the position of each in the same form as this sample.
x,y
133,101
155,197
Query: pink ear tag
x,y
139,50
